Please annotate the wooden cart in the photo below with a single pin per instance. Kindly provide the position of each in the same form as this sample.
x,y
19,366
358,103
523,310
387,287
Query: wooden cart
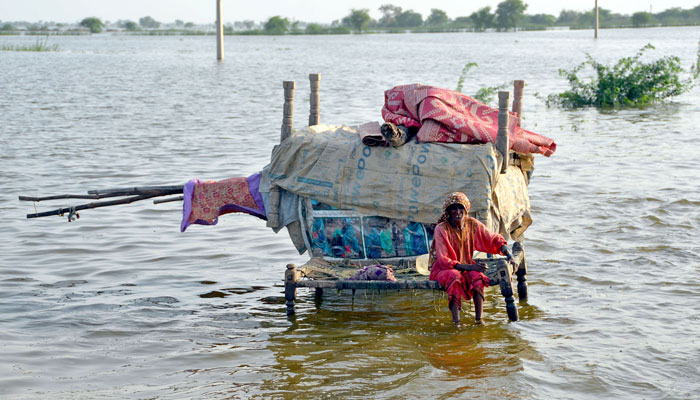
x,y
499,271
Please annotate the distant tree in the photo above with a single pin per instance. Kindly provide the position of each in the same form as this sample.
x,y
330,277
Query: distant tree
x,y
676,16
179,23
93,24
314,29
543,19
482,19
462,22
568,17
588,18
437,17
189,25
357,19
390,13
640,19
131,26
409,19
246,25
7,27
276,25
148,22
509,13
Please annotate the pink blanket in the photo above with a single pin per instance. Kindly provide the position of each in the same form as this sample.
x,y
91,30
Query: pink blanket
x,y
204,202
451,117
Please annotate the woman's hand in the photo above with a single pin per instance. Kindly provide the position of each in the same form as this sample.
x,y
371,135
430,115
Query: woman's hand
x,y
478,267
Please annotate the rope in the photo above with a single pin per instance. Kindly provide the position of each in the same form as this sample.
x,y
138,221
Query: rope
x,y
72,215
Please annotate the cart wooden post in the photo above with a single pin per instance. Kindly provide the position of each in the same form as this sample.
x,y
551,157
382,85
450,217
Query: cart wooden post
x,y
288,116
502,144
290,287
273,220
505,280
314,100
521,272
518,87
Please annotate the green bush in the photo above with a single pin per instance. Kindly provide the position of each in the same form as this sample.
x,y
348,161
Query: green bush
x,y
630,82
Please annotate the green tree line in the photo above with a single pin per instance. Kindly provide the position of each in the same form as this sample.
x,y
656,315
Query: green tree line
x,y
508,15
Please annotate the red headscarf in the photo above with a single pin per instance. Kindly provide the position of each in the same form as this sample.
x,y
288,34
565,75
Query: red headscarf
x,y
454,198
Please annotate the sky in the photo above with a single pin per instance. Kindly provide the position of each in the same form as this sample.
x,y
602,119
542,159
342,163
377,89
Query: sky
x,y
321,11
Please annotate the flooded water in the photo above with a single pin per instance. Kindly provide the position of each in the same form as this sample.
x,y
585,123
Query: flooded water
x,y
120,304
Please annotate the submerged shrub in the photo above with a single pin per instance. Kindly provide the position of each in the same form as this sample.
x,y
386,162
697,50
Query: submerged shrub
x,y
484,94
39,46
630,82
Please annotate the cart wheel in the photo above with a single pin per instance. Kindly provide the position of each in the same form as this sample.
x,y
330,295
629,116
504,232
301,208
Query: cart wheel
x,y
512,311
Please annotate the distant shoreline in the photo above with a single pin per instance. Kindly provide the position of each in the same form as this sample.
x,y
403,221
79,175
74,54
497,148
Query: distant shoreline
x,y
184,32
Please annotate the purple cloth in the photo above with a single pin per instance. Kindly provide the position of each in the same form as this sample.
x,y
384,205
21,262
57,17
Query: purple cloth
x,y
254,187
187,203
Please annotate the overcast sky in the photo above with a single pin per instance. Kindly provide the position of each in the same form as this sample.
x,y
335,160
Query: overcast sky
x,y
323,11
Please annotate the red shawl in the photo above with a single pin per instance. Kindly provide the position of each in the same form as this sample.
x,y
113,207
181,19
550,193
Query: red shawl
x,y
451,117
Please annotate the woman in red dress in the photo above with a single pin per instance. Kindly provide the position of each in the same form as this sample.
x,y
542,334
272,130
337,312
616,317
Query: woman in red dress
x,y
456,237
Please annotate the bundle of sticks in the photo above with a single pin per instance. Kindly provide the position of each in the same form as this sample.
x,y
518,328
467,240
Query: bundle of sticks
x,y
126,196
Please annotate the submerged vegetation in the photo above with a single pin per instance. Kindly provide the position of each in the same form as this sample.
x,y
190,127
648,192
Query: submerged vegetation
x,y
39,45
630,82
484,94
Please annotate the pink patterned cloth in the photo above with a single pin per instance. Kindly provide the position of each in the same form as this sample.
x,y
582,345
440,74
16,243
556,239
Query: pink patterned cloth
x,y
451,117
205,201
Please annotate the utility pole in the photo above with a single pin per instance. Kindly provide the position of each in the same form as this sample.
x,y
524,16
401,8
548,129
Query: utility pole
x,y
220,32
595,35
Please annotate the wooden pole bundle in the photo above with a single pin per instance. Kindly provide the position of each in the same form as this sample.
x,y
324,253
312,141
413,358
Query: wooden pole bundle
x,y
130,195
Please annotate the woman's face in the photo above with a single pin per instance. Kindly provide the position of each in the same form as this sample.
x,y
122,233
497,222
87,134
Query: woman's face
x,y
456,213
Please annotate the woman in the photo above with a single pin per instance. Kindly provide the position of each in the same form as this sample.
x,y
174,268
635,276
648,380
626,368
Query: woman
x,y
456,237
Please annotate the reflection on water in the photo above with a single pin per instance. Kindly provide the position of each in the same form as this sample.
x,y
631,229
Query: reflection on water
x,y
121,304
382,343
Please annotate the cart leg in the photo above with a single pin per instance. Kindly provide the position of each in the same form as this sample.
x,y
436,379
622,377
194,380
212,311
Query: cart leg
x,y
318,297
521,272
506,282
290,287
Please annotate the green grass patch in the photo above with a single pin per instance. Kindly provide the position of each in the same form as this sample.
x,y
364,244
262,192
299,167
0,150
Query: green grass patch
x,y
40,45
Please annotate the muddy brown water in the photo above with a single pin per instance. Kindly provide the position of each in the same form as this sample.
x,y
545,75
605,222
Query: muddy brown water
x,y
120,304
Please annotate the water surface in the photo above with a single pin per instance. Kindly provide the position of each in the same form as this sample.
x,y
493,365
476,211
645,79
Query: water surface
x,y
121,304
